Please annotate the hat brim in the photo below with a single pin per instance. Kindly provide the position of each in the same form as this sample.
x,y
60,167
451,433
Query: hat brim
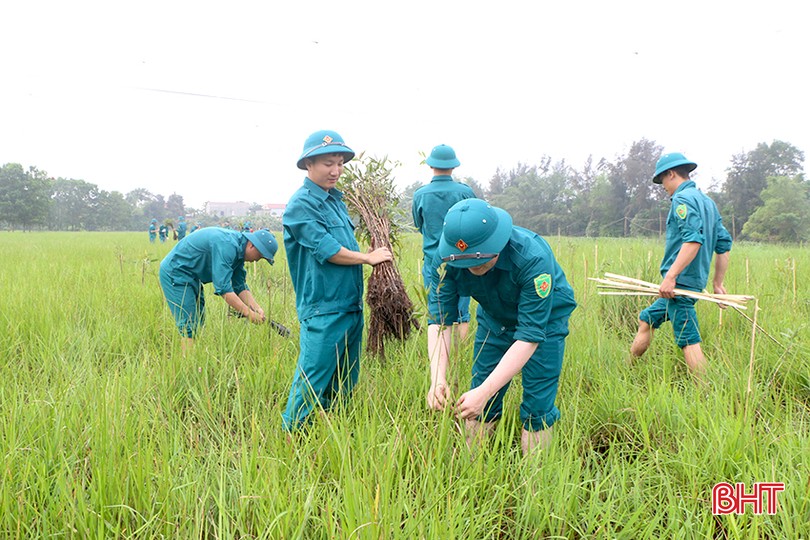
x,y
257,243
657,176
442,163
322,149
494,244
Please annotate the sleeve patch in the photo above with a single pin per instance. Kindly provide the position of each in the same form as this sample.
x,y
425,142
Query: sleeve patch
x,y
542,284
681,211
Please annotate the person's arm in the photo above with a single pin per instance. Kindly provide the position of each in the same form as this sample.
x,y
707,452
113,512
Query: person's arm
x,y
471,404
438,352
233,300
720,266
686,255
347,257
247,297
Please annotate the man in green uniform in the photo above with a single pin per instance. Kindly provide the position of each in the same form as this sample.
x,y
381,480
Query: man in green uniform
x,y
218,256
524,302
182,227
430,204
325,265
152,230
163,232
695,232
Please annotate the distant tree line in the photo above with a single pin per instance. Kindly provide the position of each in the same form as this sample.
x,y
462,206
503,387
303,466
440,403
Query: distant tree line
x,y
764,196
31,200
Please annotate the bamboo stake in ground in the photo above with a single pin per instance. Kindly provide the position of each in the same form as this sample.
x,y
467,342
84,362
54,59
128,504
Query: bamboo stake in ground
x,y
753,338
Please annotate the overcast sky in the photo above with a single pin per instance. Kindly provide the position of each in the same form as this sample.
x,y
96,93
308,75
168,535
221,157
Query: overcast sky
x,y
213,100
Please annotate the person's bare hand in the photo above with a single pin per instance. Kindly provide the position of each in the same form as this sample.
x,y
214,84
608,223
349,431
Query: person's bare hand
x,y
471,404
256,316
720,289
379,255
667,288
438,396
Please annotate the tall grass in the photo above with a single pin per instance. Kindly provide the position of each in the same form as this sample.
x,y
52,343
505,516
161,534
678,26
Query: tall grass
x,y
108,431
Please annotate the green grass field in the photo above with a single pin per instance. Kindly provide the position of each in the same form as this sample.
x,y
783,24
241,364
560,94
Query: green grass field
x,y
107,431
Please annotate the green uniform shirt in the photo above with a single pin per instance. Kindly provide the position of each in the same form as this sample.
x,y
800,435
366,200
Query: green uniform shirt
x,y
316,225
526,291
430,205
181,230
693,217
213,255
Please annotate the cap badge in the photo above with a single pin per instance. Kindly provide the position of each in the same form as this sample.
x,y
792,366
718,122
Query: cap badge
x,y
327,139
461,245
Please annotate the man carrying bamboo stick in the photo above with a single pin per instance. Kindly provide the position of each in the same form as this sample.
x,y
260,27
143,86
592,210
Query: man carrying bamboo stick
x,y
524,302
695,232
325,265
430,205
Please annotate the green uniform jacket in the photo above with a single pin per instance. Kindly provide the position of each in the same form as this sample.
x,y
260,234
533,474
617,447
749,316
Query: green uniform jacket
x,y
212,255
430,205
693,217
526,291
316,225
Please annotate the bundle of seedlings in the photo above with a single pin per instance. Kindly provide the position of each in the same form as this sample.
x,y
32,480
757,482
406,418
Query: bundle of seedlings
x,y
368,190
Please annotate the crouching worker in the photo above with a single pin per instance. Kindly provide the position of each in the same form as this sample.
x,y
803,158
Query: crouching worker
x,y
218,256
524,302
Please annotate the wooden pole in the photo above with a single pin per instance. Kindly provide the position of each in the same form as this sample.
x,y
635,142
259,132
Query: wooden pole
x,y
747,274
794,279
585,281
753,339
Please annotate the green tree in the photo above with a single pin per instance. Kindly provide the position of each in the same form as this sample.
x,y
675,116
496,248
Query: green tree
x,y
24,196
785,212
748,176
476,186
175,206
404,216
74,204
632,190
112,212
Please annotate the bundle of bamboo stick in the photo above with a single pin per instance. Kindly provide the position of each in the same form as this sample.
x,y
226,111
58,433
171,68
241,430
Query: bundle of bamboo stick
x,y
618,285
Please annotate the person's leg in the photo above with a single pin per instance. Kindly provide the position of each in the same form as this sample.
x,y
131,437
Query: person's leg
x,y
323,341
695,360
642,340
648,321
187,305
541,376
687,334
535,441
348,351
488,350
478,432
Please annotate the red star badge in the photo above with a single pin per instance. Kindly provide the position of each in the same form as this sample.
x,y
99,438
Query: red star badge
x,y
461,245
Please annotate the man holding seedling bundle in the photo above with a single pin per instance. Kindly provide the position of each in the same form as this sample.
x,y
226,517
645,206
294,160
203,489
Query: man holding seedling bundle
x,y
218,256
163,232
325,266
695,232
524,302
430,205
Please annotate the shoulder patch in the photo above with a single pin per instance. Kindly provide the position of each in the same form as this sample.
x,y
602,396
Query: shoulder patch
x,y
542,284
681,211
